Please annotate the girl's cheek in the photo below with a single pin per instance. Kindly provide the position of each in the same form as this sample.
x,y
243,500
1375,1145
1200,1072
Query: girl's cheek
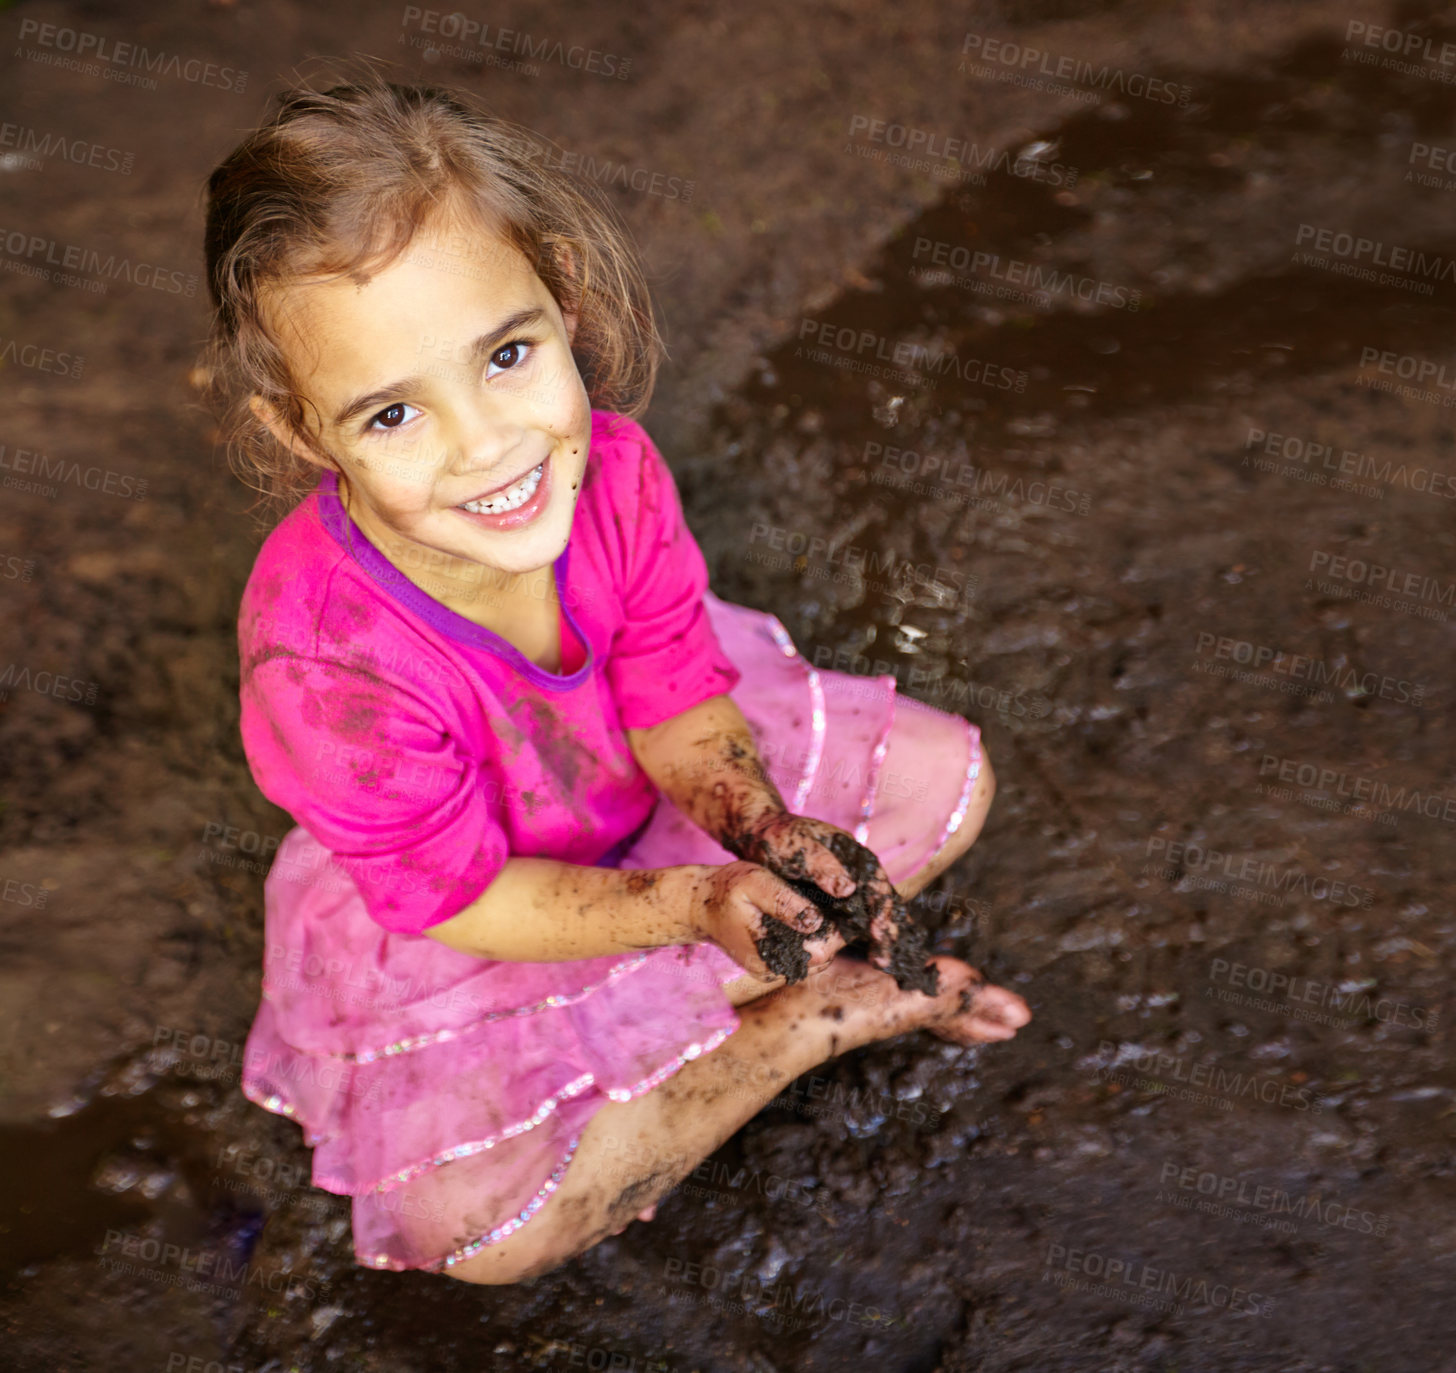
x,y
399,486
570,401
576,419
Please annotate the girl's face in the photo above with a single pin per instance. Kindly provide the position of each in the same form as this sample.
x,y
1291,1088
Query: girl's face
x,y
445,389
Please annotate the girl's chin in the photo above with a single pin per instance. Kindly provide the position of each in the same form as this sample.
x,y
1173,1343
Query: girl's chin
x,y
529,550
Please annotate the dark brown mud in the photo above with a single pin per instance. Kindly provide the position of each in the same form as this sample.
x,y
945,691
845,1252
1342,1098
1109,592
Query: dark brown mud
x,y
782,947
1226,1141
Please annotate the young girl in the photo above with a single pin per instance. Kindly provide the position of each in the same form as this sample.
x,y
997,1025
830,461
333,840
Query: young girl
x,y
512,991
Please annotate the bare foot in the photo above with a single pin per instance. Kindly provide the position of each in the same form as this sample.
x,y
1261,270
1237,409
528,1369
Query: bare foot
x,y
982,1011
968,1010
646,1214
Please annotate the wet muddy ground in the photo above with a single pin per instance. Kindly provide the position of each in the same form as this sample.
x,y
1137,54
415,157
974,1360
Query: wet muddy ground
x,y
1138,546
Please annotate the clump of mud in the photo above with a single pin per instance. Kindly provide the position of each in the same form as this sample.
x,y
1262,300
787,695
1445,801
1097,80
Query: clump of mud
x,y
782,948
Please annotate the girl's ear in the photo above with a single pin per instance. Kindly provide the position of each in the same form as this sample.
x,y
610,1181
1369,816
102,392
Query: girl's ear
x,y
566,258
267,415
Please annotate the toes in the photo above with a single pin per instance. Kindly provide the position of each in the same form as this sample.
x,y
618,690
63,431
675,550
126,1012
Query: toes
x,y
973,1032
1002,1006
991,1029
991,1014
963,1035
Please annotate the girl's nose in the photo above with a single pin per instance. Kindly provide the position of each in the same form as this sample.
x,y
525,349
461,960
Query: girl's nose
x,y
485,438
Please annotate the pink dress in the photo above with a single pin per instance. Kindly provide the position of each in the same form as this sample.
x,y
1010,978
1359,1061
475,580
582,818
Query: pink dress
x,y
417,752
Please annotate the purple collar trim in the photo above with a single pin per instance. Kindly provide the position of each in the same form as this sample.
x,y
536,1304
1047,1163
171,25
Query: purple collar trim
x,y
453,625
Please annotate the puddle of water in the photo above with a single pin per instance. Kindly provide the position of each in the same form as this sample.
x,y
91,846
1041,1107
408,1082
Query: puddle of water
x,y
117,1164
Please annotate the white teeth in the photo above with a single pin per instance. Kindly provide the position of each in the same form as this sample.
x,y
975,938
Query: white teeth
x,y
511,497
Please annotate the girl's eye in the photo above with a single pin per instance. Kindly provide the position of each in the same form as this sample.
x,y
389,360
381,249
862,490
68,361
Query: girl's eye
x,y
510,354
391,417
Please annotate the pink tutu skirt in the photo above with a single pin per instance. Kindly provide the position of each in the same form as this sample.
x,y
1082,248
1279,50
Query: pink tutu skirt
x,y
446,1094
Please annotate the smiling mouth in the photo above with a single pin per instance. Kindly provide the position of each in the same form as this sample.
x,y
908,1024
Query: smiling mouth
x,y
516,494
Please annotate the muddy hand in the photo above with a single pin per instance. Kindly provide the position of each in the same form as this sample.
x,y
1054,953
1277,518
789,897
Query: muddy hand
x,y
793,846
884,926
738,902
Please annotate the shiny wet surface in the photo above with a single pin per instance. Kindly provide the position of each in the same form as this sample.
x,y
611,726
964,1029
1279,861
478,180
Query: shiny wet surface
x,y
1225,1140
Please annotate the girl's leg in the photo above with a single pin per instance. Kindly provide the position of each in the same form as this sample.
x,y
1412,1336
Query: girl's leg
x,y
632,1153
740,992
957,843
747,989
928,750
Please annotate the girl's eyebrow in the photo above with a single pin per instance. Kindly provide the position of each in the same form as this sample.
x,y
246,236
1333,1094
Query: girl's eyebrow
x,y
482,347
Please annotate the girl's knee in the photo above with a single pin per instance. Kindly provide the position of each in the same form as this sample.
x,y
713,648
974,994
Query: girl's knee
x,y
986,775
510,1262
471,1272
962,837
972,822
977,806
570,1223
490,1271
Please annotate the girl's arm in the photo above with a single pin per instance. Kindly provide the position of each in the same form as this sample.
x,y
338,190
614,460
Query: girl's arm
x,y
706,762
540,911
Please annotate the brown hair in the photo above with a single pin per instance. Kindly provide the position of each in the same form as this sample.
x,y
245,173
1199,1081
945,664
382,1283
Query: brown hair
x,y
340,180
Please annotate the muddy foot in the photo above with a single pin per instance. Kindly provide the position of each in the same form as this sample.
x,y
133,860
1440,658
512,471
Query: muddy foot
x,y
967,1010
646,1214
979,1012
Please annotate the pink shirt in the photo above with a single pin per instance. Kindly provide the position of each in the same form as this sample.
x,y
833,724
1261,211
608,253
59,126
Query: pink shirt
x,y
425,750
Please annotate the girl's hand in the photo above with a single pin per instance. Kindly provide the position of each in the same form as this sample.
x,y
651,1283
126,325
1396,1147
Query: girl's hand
x,y
737,901
794,847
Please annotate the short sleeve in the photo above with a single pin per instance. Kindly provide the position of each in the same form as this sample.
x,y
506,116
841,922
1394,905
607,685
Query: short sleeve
x,y
365,767
665,659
